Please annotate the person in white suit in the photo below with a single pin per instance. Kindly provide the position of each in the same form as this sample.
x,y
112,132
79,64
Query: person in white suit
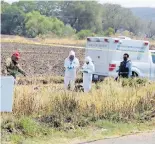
x,y
87,69
71,64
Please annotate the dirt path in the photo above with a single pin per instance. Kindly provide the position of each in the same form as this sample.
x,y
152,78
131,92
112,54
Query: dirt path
x,y
144,138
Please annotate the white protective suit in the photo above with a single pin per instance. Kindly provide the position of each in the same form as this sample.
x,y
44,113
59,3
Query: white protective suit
x,y
88,70
70,70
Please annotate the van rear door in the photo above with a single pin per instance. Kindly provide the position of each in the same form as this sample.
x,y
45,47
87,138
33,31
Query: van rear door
x,y
98,49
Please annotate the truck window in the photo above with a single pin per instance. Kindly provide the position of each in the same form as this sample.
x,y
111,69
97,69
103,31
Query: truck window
x,y
153,57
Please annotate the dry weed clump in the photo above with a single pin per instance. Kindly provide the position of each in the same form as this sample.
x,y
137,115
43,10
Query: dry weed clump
x,y
107,100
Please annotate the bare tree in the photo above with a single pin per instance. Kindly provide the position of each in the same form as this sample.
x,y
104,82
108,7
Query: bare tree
x,y
150,31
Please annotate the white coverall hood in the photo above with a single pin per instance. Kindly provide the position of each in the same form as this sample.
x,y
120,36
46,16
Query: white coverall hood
x,y
88,59
72,53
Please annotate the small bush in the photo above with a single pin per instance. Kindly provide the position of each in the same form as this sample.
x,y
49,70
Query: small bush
x,y
134,82
17,139
68,31
109,32
29,127
83,34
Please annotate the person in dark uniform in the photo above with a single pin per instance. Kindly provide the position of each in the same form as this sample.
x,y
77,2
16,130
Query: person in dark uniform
x,y
125,67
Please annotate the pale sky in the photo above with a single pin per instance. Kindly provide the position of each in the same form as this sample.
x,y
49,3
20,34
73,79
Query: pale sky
x,y
132,3
124,3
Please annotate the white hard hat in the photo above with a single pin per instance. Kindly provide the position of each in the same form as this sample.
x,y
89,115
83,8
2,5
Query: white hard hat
x,y
88,59
72,53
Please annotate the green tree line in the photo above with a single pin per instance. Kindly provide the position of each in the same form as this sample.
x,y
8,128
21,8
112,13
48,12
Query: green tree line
x,y
67,18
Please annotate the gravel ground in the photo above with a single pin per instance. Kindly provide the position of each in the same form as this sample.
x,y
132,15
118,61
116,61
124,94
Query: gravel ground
x,y
144,138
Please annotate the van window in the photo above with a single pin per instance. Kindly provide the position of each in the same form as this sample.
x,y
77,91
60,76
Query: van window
x,y
153,57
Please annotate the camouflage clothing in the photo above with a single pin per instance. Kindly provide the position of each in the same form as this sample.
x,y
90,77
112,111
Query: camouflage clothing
x,y
13,68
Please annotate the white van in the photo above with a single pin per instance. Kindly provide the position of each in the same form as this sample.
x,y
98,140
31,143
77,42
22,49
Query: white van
x,y
107,53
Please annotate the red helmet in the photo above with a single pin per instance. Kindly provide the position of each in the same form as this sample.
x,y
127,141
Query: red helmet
x,y
16,54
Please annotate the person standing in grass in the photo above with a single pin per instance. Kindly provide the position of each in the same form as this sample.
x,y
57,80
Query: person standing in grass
x,y
71,64
87,69
12,67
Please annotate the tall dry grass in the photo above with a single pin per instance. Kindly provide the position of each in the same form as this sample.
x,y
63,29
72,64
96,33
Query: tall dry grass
x,y
58,41
107,100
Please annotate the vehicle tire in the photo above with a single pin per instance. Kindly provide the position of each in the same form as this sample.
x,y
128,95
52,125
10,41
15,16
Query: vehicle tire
x,y
134,74
94,80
